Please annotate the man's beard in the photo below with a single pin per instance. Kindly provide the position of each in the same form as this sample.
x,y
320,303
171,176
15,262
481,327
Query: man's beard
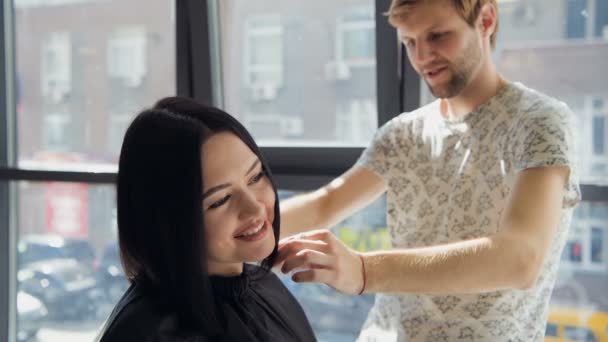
x,y
461,71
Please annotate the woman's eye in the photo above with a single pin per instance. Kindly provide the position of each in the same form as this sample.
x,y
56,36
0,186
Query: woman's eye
x,y
258,177
219,203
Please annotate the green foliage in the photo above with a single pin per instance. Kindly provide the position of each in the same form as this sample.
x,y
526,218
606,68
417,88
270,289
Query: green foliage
x,y
364,240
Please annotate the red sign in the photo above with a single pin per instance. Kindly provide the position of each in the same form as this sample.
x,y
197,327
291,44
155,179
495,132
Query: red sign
x,y
67,209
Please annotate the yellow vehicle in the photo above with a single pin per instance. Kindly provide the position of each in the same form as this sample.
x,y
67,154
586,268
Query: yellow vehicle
x,y
570,324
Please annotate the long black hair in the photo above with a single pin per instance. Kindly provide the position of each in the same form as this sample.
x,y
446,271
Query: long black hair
x,y
159,203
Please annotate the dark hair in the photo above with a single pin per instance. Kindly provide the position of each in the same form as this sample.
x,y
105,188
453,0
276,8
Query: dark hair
x,y
160,215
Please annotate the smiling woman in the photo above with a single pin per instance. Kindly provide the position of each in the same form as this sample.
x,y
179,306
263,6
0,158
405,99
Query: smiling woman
x,y
196,202
239,211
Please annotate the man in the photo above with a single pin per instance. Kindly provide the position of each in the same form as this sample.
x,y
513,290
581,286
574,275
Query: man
x,y
481,185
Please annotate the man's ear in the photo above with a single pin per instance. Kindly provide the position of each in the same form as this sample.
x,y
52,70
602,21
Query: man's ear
x,y
486,22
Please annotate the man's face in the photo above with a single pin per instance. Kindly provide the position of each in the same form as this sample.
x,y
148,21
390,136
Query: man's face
x,y
444,50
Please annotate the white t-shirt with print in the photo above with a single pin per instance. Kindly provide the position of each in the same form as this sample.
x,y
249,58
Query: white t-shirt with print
x,y
449,181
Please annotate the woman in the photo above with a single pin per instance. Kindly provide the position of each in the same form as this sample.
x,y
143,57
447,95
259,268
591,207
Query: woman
x,y
196,201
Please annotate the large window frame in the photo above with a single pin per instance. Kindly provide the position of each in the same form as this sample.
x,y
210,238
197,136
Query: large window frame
x,y
197,76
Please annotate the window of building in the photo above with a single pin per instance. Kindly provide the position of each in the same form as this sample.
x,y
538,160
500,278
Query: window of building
x,y
56,131
126,55
356,37
56,67
264,56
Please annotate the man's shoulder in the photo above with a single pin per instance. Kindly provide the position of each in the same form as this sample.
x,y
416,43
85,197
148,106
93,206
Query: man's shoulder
x,y
531,102
407,120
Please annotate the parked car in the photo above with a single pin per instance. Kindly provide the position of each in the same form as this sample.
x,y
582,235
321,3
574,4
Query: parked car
x,y
110,275
31,314
32,248
66,287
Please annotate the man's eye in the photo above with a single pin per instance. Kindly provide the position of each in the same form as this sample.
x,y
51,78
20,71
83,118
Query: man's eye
x,y
437,36
219,203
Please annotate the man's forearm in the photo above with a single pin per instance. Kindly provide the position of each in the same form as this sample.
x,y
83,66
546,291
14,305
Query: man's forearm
x,y
332,203
480,265
301,213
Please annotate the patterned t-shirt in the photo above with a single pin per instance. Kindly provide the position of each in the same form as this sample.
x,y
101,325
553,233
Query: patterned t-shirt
x,y
449,181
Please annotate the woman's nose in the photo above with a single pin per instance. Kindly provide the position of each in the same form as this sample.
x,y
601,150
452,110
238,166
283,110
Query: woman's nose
x,y
250,206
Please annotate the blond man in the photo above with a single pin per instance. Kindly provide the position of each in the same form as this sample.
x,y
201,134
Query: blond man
x,y
481,186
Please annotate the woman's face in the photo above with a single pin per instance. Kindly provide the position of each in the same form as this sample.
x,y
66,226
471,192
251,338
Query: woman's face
x,y
238,205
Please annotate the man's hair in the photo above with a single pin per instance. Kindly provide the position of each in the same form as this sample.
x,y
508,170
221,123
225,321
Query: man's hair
x,y
468,9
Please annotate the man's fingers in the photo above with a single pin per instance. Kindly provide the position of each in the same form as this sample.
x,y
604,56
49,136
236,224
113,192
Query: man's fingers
x,y
300,244
306,258
313,276
318,234
289,248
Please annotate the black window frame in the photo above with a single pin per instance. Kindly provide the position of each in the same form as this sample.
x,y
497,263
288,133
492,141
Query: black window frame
x,y
197,76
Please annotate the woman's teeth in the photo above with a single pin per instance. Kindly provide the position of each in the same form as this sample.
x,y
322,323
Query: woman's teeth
x,y
253,231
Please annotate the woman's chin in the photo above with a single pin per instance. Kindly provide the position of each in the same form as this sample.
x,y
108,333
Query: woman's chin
x,y
264,251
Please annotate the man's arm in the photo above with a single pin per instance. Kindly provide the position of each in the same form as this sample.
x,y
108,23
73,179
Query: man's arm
x,y
510,259
330,204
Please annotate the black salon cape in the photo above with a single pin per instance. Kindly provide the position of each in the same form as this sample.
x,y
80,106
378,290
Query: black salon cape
x,y
254,310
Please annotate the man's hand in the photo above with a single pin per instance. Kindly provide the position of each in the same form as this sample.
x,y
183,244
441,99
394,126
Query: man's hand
x,y
319,257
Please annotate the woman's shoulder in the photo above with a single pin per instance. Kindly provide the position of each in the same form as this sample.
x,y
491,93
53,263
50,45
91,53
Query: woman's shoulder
x,y
261,275
135,317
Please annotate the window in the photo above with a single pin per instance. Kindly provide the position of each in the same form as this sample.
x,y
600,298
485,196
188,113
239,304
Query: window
x,y
92,78
56,67
356,121
576,23
270,124
574,251
584,250
127,55
356,38
599,135
65,287
599,159
302,76
551,330
56,131
598,238
81,74
579,334
291,72
264,56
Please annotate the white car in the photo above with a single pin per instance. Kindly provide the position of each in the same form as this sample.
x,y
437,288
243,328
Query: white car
x,y
31,313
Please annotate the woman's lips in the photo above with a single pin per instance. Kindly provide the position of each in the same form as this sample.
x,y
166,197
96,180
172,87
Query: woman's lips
x,y
254,234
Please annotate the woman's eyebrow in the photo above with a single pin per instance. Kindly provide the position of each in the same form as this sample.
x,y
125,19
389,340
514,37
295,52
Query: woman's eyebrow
x,y
255,163
225,185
